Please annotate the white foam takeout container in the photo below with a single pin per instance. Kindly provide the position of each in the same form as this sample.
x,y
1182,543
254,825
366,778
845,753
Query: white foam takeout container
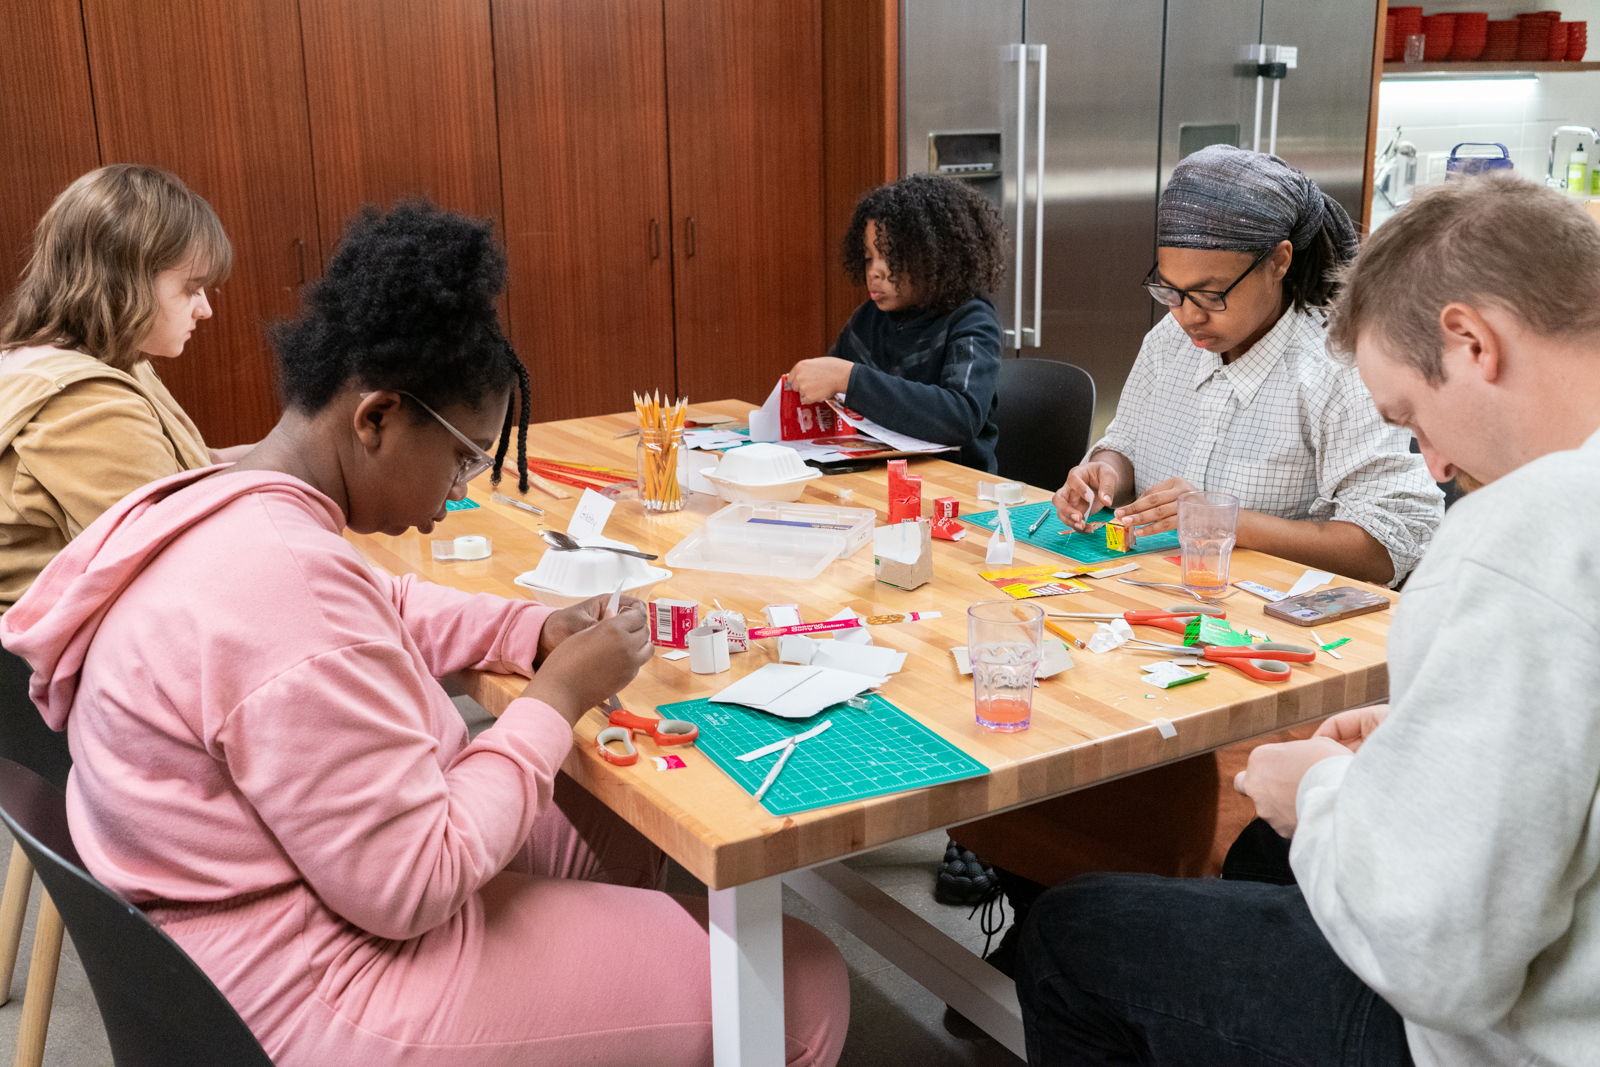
x,y
565,578
758,472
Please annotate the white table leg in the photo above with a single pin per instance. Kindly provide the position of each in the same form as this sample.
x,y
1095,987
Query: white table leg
x,y
747,975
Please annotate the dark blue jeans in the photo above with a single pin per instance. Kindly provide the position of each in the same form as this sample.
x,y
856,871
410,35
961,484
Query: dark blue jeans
x,y
1137,969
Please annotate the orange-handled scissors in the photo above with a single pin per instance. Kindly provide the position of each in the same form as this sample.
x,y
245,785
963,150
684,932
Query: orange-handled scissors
x,y
1246,659
1175,619
662,731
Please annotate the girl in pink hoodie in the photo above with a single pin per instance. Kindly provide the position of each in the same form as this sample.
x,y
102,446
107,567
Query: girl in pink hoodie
x,y
264,762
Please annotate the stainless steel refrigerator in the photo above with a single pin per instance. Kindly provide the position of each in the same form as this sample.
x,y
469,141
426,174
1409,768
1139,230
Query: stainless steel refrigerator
x,y
1070,116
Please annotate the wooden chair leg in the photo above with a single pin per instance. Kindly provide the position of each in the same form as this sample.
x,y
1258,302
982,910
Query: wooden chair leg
x,y
34,1026
13,912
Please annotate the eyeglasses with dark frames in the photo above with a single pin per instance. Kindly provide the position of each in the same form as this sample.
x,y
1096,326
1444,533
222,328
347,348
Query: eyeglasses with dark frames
x,y
1204,299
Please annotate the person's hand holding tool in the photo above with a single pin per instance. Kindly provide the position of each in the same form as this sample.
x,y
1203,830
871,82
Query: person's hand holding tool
x,y
1089,486
818,380
589,665
1272,777
562,624
1352,728
1157,510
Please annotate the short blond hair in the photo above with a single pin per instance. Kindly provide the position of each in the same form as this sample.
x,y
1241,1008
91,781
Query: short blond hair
x,y
1495,240
91,281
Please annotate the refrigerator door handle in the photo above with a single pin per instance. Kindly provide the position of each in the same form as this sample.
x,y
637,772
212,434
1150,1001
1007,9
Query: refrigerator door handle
x,y
1041,53
1019,52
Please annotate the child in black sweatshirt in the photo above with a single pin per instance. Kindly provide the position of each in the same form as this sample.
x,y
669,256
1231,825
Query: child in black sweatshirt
x,y
921,356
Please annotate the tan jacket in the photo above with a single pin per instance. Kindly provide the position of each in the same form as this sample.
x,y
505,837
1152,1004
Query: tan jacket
x,y
77,436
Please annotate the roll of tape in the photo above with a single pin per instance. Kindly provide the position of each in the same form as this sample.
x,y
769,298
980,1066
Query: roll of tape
x,y
1010,492
708,650
470,546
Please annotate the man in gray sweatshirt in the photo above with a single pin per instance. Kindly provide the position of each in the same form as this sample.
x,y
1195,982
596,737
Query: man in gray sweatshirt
x,y
1447,850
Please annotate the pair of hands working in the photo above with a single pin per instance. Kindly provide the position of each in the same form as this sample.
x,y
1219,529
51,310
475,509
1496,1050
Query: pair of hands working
x,y
1097,483
1272,777
584,659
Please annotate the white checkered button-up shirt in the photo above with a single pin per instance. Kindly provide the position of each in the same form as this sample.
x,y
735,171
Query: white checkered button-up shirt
x,y
1284,428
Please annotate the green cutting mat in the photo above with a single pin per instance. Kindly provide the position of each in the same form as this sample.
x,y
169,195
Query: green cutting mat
x,y
1054,537
867,752
464,504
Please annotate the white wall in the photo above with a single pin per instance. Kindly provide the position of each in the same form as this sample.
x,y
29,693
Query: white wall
x,y
1436,116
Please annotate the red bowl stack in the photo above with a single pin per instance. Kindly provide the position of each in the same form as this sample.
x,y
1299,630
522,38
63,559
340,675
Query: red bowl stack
x,y
1558,40
1471,35
1501,46
1392,47
1440,32
1407,21
1533,37
1577,40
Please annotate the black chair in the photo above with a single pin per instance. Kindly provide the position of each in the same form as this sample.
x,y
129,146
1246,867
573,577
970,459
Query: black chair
x,y
1046,408
159,1009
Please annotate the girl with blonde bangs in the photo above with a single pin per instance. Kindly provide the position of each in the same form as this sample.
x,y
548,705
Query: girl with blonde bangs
x,y
120,266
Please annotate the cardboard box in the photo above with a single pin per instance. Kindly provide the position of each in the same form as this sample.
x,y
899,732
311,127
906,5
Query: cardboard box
x,y
905,493
1120,538
671,621
902,554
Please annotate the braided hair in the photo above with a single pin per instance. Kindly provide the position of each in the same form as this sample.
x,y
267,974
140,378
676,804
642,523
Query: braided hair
x,y
407,304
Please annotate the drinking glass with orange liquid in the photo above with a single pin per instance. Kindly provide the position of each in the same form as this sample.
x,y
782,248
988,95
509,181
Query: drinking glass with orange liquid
x,y
1208,524
1004,642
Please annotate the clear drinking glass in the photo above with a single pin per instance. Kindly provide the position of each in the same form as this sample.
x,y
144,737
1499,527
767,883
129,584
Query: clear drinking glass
x,y
658,470
1004,641
1416,45
1207,526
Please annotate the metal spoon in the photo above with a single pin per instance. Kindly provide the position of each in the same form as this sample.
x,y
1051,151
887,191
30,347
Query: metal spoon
x,y
1181,589
566,543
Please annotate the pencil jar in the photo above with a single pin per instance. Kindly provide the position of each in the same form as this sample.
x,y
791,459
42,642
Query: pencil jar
x,y
658,469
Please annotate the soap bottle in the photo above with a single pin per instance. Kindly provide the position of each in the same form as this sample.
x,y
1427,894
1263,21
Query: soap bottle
x,y
1578,172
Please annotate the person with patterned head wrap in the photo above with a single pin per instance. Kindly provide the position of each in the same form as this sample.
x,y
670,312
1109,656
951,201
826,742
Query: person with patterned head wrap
x,y
1232,392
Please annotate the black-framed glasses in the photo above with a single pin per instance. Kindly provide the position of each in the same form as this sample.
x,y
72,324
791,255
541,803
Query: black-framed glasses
x,y
469,466
1204,299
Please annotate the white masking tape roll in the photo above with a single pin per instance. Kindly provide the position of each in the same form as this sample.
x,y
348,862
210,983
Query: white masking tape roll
x,y
708,650
472,546
1010,492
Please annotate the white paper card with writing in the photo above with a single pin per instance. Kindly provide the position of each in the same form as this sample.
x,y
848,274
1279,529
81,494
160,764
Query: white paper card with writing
x,y
590,517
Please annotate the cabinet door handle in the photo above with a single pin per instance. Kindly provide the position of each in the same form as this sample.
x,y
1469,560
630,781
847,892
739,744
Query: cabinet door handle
x,y
655,239
689,240
300,254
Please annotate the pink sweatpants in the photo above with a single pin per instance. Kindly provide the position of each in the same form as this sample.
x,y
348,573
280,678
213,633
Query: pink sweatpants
x,y
569,956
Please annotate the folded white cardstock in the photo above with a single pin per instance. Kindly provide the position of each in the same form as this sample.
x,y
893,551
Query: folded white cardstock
x,y
1001,543
859,636
590,516
901,542
790,691
1107,637
1309,581
764,423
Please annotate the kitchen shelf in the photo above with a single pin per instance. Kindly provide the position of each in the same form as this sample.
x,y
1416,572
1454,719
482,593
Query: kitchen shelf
x,y
1468,70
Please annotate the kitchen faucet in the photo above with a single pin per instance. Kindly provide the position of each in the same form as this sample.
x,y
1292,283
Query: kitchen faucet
x,y
1550,171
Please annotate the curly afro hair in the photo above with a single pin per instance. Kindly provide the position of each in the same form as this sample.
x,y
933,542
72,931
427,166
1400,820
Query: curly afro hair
x,y
407,304
939,234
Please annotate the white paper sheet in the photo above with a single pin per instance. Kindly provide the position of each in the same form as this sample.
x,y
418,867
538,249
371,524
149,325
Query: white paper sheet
x,y
794,692
713,439
797,648
1309,581
1002,545
1108,637
897,442
1054,658
859,636
858,659
590,516
764,422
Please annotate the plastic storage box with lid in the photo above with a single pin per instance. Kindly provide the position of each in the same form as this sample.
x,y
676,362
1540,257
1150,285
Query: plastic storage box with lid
x,y
760,472
778,539
565,578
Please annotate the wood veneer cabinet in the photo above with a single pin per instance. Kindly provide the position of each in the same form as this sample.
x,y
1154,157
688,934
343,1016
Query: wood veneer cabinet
x,y
657,166
214,92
